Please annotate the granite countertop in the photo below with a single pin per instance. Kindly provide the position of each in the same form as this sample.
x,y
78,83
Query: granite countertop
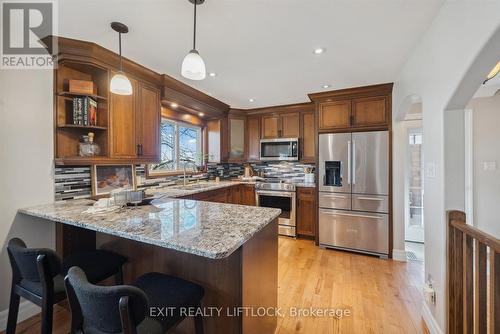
x,y
211,230
194,188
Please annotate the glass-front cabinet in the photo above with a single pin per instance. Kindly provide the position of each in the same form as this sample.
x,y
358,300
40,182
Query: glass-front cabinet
x,y
237,138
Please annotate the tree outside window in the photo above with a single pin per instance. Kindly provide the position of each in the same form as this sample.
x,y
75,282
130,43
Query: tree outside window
x,y
180,142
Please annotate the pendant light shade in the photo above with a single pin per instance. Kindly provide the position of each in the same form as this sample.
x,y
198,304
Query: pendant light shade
x,y
193,66
120,84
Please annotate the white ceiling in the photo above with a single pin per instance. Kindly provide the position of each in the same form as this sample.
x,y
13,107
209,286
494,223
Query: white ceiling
x,y
261,49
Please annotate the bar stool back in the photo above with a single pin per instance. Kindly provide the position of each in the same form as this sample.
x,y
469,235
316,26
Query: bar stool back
x,y
36,276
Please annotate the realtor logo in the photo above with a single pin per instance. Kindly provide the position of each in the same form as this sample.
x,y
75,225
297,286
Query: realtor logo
x,y
24,25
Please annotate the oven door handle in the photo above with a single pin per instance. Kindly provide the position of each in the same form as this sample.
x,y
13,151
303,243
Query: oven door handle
x,y
274,193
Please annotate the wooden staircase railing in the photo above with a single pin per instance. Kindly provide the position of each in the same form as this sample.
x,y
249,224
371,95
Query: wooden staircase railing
x,y
473,281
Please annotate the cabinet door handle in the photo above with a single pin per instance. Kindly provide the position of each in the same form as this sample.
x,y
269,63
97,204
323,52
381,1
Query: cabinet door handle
x,y
139,149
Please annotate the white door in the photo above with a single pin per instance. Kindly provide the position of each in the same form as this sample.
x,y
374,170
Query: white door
x,y
414,230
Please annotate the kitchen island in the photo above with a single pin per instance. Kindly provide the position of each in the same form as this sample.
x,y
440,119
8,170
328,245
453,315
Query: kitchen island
x,y
231,250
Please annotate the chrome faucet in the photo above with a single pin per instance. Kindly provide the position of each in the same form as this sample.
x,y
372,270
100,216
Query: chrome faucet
x,y
186,163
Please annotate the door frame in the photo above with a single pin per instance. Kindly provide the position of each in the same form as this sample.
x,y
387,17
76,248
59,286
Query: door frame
x,y
411,126
469,165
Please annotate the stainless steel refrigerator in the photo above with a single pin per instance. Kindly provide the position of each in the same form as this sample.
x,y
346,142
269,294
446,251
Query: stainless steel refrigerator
x,y
354,191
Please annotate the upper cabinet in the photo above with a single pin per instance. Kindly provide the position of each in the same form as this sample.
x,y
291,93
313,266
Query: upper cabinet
x,y
270,126
307,137
360,108
370,111
135,123
125,127
148,122
253,138
281,125
123,124
237,133
216,139
290,125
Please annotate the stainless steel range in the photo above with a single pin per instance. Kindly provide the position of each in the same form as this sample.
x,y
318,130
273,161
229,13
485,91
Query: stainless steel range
x,y
275,194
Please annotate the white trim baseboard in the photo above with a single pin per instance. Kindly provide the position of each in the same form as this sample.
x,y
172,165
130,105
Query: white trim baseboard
x,y
26,310
429,320
399,255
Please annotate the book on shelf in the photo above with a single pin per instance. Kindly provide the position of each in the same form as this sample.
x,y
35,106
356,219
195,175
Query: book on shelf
x,y
84,111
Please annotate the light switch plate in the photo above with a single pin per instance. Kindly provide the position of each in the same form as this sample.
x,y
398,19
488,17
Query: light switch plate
x,y
489,165
430,169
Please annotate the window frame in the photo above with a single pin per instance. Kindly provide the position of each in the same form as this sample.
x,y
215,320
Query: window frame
x,y
178,167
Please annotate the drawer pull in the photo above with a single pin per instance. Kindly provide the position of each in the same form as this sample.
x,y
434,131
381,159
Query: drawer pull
x,y
334,196
351,215
371,199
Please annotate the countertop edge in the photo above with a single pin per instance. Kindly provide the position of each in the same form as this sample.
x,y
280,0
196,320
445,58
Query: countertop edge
x,y
206,254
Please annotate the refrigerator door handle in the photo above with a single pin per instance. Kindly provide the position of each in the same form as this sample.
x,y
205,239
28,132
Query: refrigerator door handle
x,y
351,215
333,196
348,162
353,162
372,199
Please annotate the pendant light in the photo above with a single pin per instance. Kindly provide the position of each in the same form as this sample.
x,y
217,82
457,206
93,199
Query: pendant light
x,y
120,84
493,73
193,66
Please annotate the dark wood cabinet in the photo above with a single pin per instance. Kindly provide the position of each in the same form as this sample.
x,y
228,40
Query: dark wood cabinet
x,y
237,138
282,125
270,126
247,194
307,138
354,109
243,194
135,123
128,126
148,122
123,124
334,115
306,212
290,125
370,111
253,138
217,140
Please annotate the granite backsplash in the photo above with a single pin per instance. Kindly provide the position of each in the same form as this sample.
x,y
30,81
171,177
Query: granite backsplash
x,y
75,182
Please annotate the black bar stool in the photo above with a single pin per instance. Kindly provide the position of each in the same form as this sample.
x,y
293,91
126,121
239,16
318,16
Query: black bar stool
x,y
126,308
37,275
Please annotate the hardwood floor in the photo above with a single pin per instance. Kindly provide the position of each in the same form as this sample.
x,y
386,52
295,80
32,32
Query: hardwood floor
x,y
382,296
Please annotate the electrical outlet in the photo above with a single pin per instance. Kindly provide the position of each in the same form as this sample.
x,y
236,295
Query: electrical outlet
x,y
429,293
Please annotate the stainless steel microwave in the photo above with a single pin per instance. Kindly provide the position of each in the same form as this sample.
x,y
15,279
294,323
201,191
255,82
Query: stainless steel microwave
x,y
279,149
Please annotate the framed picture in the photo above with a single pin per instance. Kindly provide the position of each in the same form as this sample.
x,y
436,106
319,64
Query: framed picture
x,y
108,178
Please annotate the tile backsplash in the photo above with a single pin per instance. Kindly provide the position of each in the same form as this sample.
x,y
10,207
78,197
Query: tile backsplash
x,y
72,183
75,182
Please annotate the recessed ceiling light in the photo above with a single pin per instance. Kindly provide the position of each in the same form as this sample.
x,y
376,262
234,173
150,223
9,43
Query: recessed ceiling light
x,y
251,100
326,86
174,105
319,51
212,74
201,114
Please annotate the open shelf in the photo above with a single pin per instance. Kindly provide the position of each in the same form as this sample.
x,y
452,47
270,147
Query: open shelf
x,y
68,135
83,127
71,95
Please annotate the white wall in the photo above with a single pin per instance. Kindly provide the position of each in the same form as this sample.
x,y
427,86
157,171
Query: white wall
x,y
486,143
26,173
434,71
